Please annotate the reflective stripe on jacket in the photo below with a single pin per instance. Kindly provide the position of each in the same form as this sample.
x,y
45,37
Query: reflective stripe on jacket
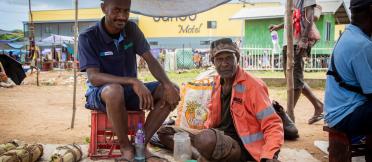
x,y
255,120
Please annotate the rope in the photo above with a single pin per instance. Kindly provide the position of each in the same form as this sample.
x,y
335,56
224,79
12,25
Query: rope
x,y
70,150
13,154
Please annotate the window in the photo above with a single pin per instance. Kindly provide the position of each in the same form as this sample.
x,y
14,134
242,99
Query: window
x,y
211,24
153,43
328,30
47,28
205,42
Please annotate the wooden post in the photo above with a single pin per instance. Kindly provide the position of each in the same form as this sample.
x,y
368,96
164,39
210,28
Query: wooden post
x,y
290,52
32,48
2,68
75,64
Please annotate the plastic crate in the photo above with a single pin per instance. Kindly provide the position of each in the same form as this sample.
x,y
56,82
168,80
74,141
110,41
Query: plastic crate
x,y
103,142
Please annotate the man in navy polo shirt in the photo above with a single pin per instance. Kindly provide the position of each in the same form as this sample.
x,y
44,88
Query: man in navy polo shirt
x,y
108,55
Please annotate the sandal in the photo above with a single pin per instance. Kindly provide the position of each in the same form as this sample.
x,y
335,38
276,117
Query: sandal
x,y
315,118
122,159
158,157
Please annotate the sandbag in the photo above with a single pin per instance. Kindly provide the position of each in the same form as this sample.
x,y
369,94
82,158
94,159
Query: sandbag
x,y
27,153
9,146
192,109
7,84
68,153
3,77
290,129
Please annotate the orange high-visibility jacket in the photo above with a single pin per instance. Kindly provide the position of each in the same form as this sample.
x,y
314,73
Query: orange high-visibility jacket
x,y
254,118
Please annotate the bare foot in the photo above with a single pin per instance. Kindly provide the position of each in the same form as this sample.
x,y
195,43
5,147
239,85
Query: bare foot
x,y
319,110
127,153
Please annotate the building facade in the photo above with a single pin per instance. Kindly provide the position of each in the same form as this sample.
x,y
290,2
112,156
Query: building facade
x,y
257,21
197,31
194,31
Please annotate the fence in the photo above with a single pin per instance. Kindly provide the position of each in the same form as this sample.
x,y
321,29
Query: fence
x,y
259,58
251,58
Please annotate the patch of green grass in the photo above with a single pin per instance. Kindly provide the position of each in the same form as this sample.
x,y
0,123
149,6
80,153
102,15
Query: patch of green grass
x,y
86,140
278,93
177,77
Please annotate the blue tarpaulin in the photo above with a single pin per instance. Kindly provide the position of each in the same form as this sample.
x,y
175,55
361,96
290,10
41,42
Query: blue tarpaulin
x,y
8,41
16,45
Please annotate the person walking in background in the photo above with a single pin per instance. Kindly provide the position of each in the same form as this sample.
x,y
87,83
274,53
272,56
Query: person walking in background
x,y
162,57
302,47
196,59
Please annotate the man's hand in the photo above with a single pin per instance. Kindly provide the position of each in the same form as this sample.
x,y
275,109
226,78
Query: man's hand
x,y
144,95
303,43
274,27
171,95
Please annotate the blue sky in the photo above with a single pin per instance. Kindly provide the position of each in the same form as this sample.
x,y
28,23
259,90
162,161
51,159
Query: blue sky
x,y
14,12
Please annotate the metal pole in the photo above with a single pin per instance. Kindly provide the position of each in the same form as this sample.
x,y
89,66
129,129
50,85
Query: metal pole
x,y
183,56
290,52
272,61
75,64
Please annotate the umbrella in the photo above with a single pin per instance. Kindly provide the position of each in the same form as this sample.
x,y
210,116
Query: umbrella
x,y
173,8
13,69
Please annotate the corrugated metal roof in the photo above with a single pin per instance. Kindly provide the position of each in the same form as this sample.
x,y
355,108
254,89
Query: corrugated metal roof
x,y
259,13
4,32
275,12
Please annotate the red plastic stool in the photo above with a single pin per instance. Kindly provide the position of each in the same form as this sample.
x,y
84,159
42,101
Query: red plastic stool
x,y
341,149
103,142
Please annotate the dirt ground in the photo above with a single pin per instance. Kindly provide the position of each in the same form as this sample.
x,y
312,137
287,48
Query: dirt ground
x,y
43,114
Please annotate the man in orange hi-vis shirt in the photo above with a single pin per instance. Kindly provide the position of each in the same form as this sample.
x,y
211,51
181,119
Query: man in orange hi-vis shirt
x,y
241,108
242,124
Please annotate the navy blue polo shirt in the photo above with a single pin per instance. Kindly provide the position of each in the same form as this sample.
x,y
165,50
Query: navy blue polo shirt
x,y
116,57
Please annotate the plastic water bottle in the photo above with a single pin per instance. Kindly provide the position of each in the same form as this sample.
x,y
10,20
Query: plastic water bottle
x,y
182,147
139,143
275,40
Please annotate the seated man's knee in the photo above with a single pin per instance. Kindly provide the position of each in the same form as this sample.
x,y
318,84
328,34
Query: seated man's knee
x,y
112,93
171,107
165,106
205,142
159,102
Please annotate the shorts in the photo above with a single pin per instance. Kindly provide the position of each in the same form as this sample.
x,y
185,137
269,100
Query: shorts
x,y
94,101
298,68
359,122
245,155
